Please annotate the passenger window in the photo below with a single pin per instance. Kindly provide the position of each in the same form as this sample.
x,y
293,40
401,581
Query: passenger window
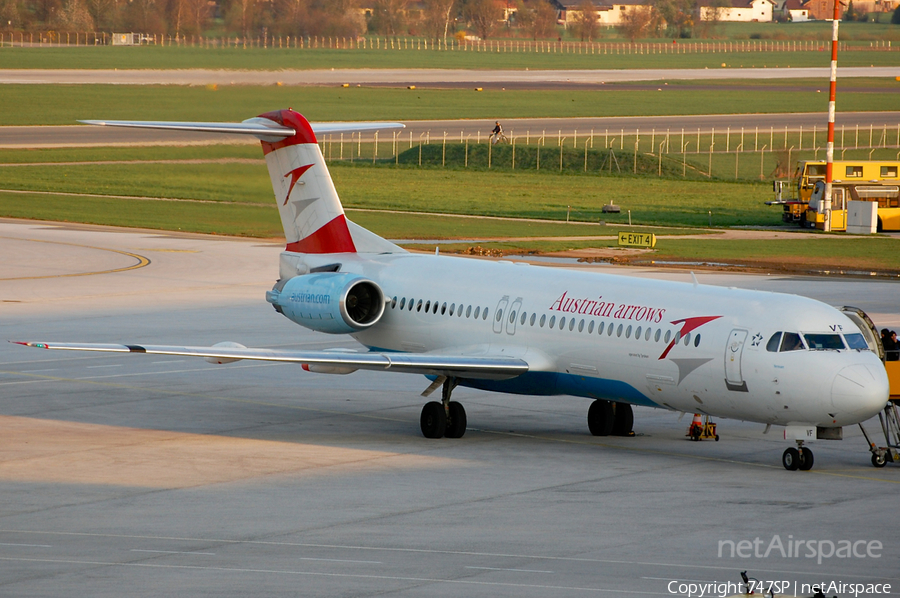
x,y
668,336
687,339
791,342
522,319
477,310
498,316
824,342
697,341
888,172
619,331
590,326
468,311
572,324
856,341
774,342
533,316
600,327
637,333
452,308
562,323
512,316
611,327
657,335
552,322
419,305
444,309
647,334
402,302
484,314
543,319
393,303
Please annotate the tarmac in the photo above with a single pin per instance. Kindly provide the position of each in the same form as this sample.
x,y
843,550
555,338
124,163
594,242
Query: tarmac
x,y
162,476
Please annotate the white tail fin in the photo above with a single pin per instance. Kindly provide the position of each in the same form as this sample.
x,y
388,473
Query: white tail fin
x,y
310,209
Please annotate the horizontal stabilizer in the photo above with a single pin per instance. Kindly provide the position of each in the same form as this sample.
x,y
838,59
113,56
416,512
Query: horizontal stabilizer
x,y
261,128
476,367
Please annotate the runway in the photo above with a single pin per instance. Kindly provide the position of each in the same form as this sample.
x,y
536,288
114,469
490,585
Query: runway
x,y
147,476
418,76
763,125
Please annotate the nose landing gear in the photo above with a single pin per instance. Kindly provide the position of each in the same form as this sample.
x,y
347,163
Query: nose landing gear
x,y
797,458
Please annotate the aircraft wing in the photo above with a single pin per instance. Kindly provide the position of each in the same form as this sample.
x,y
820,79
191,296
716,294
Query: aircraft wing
x,y
261,128
478,367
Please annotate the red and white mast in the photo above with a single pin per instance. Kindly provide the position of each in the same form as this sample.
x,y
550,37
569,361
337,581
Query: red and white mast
x,y
829,147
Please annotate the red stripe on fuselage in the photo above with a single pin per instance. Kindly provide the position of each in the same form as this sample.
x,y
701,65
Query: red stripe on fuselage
x,y
334,237
689,325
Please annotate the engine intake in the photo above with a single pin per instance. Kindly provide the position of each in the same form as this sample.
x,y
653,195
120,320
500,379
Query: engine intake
x,y
333,302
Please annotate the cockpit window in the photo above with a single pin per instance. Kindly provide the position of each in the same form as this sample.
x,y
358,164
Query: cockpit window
x,y
824,342
791,342
856,341
772,345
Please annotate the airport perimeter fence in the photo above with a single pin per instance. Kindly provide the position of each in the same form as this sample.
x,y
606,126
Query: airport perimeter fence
x,y
738,154
98,38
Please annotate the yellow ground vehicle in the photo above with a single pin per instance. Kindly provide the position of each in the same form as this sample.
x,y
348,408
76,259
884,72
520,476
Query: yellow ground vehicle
x,y
854,176
887,196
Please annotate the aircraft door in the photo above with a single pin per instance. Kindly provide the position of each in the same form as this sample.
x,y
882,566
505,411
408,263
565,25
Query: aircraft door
x,y
734,350
513,316
500,313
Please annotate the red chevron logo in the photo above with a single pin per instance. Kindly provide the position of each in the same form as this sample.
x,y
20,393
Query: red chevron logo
x,y
295,176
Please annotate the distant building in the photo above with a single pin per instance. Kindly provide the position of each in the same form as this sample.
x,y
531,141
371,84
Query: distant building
x,y
822,10
741,10
607,12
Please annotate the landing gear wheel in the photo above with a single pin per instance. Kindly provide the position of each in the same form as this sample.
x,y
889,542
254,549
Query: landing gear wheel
x,y
624,420
433,420
806,459
601,418
456,423
791,459
879,460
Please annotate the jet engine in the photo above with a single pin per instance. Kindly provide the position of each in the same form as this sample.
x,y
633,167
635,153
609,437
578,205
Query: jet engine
x,y
332,302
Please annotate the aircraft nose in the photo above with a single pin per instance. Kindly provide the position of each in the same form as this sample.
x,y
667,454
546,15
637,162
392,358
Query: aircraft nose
x,y
858,392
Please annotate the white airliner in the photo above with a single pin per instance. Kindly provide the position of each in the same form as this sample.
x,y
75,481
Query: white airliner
x,y
764,357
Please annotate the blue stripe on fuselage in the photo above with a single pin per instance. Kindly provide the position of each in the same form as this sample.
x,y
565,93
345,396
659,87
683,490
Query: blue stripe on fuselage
x,y
552,383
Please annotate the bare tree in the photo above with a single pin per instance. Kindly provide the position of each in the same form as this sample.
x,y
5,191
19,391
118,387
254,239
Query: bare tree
x,y
538,18
437,18
243,16
586,25
145,16
678,16
636,21
74,15
388,17
484,16
711,16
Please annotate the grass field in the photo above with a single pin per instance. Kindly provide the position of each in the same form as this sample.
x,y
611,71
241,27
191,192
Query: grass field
x,y
619,56
404,203
65,104
521,194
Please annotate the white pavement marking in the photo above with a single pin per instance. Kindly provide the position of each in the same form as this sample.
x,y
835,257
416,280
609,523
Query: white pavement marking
x,y
470,582
504,569
173,552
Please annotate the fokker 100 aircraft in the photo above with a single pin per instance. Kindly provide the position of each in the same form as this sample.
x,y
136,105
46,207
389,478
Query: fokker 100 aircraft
x,y
771,358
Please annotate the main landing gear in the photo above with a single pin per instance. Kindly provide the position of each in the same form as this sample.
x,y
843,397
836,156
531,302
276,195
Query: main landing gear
x,y
446,419
609,418
797,458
